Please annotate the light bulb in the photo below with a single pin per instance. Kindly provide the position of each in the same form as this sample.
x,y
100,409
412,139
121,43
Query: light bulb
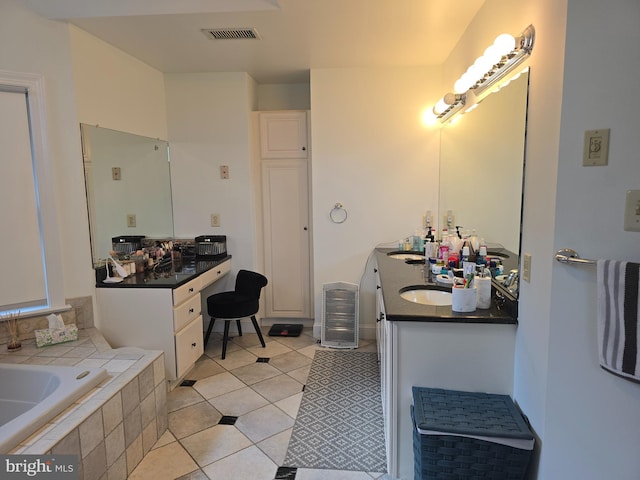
x,y
492,54
440,107
460,86
504,43
483,65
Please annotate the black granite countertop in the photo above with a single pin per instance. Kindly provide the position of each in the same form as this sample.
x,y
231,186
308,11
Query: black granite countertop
x,y
165,276
395,274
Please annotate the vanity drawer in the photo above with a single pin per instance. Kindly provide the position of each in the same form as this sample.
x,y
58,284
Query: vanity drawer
x,y
189,346
186,312
215,273
187,290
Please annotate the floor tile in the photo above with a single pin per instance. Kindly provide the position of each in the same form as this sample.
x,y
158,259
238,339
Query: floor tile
x,y
248,464
271,349
166,438
192,419
205,367
300,374
215,443
256,372
247,339
277,388
196,475
290,405
238,402
290,361
237,358
264,422
169,461
276,446
218,385
181,397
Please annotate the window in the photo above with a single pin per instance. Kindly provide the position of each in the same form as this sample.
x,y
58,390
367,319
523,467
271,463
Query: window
x,y
29,240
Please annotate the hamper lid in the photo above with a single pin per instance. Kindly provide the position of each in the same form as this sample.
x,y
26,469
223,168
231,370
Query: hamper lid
x,y
468,413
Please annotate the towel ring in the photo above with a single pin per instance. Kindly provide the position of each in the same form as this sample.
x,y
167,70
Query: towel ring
x,y
338,214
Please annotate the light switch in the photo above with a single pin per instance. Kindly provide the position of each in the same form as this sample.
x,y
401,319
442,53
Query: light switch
x,y
526,267
596,148
632,211
224,172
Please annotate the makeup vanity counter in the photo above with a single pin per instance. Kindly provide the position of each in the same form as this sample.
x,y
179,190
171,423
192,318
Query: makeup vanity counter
x,y
160,311
432,346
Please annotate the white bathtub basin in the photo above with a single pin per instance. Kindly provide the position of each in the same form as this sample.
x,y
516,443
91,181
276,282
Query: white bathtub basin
x,y
31,395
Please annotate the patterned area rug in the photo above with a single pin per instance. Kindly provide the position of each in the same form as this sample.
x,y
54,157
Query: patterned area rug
x,y
339,424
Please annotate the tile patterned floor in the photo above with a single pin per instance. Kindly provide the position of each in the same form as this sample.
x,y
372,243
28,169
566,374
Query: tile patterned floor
x,y
264,396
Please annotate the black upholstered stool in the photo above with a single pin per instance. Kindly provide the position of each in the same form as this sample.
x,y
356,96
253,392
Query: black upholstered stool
x,y
242,302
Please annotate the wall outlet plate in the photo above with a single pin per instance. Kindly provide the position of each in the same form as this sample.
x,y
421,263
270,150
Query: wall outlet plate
x,y
215,219
131,220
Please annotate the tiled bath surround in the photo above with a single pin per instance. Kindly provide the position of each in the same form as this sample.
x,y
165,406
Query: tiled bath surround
x,y
112,427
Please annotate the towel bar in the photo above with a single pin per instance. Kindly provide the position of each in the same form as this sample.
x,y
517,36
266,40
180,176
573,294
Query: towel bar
x,y
567,255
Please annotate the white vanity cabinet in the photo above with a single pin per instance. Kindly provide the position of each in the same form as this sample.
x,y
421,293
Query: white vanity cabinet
x,y
168,319
445,354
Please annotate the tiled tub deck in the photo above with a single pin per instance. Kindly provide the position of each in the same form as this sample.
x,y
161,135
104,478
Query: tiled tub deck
x,y
113,426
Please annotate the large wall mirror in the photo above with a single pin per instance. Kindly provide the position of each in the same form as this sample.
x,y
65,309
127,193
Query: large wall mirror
x,y
128,187
482,166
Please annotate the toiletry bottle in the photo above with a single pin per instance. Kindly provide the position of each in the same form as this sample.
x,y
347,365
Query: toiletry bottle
x,y
483,290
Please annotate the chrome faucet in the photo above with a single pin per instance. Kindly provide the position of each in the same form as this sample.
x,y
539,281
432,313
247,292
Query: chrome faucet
x,y
512,281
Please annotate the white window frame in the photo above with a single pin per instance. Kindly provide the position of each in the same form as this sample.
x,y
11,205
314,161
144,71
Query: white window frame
x,y
34,86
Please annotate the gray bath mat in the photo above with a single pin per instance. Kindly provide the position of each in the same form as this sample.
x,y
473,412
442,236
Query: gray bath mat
x,y
339,424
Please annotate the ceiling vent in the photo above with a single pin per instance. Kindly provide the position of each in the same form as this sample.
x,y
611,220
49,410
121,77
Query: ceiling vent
x,y
231,33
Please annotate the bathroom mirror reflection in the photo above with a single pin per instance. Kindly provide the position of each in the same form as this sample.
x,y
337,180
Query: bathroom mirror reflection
x,y
128,185
482,166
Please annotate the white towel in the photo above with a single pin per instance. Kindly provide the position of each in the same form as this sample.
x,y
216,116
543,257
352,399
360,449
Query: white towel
x,y
618,317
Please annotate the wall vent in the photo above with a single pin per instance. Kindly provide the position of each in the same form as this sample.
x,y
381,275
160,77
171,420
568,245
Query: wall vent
x,y
231,33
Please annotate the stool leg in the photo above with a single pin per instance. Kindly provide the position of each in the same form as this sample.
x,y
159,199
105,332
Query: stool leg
x,y
239,328
206,337
225,337
255,325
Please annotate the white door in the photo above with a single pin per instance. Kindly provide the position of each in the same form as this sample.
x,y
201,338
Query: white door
x,y
283,134
285,200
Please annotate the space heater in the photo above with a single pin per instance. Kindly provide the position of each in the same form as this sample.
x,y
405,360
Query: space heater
x,y
340,307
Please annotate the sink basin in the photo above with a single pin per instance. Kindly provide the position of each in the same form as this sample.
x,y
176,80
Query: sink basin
x,y
406,256
426,296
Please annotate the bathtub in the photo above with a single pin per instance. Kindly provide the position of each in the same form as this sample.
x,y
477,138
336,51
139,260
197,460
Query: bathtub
x,y
31,395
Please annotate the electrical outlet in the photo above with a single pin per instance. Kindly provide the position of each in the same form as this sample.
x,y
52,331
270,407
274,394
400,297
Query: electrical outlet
x,y
427,219
215,219
131,220
632,211
116,173
449,220
224,172
526,267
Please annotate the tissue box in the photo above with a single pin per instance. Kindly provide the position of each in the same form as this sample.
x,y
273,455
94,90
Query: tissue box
x,y
58,335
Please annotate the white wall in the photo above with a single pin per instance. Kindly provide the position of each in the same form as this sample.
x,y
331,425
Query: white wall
x,y
592,417
115,90
29,43
586,418
284,96
209,126
371,153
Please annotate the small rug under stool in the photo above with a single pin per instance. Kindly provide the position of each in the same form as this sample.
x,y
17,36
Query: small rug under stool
x,y
285,330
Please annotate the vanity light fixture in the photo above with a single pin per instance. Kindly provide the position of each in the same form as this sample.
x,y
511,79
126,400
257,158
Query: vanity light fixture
x,y
498,60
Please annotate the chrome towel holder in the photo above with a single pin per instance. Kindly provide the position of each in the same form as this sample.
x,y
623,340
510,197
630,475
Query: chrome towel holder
x,y
567,255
